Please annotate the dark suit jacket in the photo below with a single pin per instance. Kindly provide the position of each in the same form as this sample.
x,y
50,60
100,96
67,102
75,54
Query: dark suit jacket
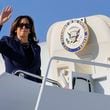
x,y
19,56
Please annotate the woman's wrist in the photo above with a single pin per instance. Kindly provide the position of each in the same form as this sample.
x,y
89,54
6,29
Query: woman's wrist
x,y
1,23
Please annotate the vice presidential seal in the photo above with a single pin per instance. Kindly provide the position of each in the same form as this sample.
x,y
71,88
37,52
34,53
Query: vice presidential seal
x,y
74,35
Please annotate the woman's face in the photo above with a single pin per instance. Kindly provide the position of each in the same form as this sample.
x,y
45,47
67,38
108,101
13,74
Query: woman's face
x,y
23,30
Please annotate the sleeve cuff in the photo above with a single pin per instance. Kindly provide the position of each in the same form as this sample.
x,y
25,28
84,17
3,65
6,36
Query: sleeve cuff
x,y
1,27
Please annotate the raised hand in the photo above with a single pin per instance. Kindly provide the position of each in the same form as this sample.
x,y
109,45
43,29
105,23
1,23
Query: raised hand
x,y
5,14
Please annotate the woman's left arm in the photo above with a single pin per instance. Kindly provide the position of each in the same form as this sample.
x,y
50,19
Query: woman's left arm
x,y
5,15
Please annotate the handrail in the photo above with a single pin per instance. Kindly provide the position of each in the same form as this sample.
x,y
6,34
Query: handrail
x,y
81,61
39,77
67,60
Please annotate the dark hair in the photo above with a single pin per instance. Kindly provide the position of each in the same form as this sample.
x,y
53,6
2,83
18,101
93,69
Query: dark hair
x,y
32,35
